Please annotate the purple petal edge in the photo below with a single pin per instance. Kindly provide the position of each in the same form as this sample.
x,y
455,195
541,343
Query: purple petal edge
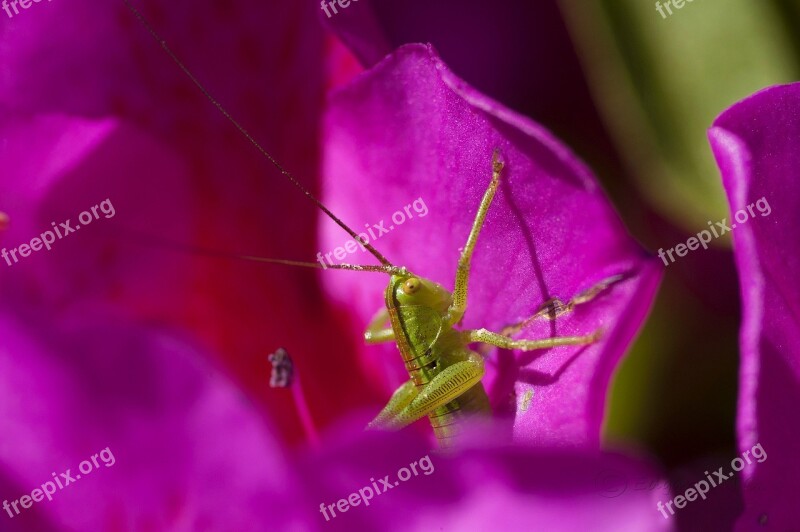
x,y
757,145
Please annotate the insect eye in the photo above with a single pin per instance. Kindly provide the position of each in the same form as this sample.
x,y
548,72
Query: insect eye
x,y
411,286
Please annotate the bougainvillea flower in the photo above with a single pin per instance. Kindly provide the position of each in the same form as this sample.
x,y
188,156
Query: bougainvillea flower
x,y
180,450
483,487
183,449
94,109
408,156
757,146
110,340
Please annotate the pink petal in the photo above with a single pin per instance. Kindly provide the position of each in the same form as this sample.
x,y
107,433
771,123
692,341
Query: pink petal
x,y
485,487
757,146
183,438
94,109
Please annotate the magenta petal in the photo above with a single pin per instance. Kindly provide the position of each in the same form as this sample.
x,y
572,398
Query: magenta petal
x,y
91,59
55,167
483,488
182,437
410,130
94,108
532,69
757,146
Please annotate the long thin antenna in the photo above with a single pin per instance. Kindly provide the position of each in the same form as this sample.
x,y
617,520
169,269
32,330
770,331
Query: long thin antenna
x,y
150,241
383,260
388,268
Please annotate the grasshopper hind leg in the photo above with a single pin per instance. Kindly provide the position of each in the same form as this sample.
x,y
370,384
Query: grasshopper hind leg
x,y
400,399
554,307
447,386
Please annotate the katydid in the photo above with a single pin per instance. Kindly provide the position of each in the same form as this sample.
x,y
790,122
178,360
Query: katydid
x,y
422,317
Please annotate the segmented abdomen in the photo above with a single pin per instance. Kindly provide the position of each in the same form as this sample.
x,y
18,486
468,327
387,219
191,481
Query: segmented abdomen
x,y
447,421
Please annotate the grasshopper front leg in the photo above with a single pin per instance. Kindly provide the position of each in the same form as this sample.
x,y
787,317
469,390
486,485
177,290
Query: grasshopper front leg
x,y
375,332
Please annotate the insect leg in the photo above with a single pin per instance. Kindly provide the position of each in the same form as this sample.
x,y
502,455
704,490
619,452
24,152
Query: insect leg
x,y
493,338
459,305
448,385
375,332
554,307
399,400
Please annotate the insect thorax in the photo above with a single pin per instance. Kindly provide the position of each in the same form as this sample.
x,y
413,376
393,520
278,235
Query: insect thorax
x,y
418,328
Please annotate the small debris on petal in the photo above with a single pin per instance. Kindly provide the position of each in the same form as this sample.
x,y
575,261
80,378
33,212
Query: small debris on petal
x,y
4,221
526,401
282,369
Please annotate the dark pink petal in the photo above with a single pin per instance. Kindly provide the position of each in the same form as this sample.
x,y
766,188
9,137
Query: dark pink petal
x,y
757,146
189,451
487,487
261,59
518,53
94,109
408,130
134,266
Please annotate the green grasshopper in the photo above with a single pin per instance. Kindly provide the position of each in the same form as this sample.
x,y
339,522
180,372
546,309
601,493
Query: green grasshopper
x,y
444,373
